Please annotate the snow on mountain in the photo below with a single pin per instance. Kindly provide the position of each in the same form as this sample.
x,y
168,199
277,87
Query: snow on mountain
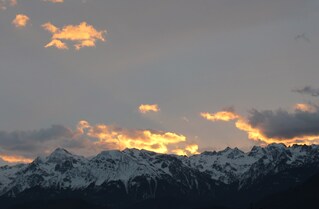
x,y
64,170
225,166
276,158
8,174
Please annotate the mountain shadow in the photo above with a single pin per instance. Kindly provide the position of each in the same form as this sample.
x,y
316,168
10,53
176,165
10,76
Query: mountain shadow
x,y
304,196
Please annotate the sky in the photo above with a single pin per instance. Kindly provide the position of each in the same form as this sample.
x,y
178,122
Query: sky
x,y
171,76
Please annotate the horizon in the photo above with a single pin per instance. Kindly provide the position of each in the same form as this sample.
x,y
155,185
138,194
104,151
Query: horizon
x,y
174,77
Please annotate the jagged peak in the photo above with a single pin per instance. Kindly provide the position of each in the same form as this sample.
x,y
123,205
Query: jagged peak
x,y
132,150
230,150
255,148
38,159
226,149
277,145
209,153
60,154
60,151
109,154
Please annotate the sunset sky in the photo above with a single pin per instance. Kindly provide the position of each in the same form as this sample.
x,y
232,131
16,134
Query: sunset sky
x,y
171,76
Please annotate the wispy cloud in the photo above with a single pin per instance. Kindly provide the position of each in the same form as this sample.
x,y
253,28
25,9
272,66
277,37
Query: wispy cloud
x,y
306,107
190,149
20,20
307,90
300,126
145,108
57,43
82,35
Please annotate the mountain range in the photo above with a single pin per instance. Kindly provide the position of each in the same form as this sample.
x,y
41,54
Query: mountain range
x,y
143,179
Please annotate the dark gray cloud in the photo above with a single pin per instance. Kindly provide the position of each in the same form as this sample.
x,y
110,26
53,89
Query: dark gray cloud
x,y
32,143
285,125
308,90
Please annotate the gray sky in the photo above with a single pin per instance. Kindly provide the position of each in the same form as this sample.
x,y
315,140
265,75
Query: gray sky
x,y
186,56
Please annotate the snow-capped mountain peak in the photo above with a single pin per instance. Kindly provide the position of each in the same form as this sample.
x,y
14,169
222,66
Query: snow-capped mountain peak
x,y
62,169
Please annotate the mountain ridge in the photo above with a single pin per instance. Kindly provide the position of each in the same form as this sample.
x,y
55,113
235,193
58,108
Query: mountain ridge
x,y
140,175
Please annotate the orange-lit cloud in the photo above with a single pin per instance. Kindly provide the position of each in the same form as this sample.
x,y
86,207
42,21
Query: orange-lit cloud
x,y
305,107
145,108
117,138
15,159
82,35
274,127
88,140
20,20
57,43
190,149
50,27
55,1
220,116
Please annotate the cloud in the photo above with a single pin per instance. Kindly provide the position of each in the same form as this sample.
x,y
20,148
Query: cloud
x,y
308,90
305,107
184,118
284,125
303,36
15,159
111,137
5,3
88,140
50,27
145,108
20,20
82,35
55,1
300,126
29,144
227,114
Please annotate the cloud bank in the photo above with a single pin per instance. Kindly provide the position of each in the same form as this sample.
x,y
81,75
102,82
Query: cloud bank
x,y
87,139
298,127
110,137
